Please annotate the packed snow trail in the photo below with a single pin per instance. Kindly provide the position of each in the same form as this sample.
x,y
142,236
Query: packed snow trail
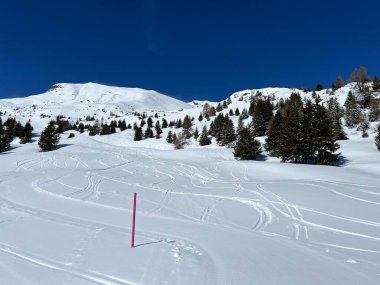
x,y
203,218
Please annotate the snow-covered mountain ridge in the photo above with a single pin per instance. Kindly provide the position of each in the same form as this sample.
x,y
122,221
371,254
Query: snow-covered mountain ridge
x,y
68,99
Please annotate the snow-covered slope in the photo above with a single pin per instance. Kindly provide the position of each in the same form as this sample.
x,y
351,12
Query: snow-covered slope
x,y
203,217
91,99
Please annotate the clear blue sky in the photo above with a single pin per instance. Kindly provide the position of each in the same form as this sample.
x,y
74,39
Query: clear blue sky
x,y
187,49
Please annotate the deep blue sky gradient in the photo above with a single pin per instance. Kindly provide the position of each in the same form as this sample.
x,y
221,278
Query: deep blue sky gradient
x,y
193,49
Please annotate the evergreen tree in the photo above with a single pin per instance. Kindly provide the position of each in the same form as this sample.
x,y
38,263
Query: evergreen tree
x,y
169,138
204,139
364,127
200,118
274,134
158,130
319,87
261,116
187,124
179,124
174,138
150,122
49,137
142,123
237,112
247,147
376,84
147,133
196,133
164,123
353,113
252,106
93,130
231,113
338,131
151,134
377,138
307,133
289,138
324,137
229,101
122,125
339,83
81,128
5,139
138,134
219,107
240,124
227,133
374,110
206,109
26,134
224,105
244,114
212,112
336,114
179,141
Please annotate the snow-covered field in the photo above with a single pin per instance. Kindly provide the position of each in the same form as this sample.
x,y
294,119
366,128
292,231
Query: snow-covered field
x,y
203,217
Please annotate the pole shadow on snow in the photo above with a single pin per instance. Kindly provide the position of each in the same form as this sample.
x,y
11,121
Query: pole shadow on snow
x,y
148,243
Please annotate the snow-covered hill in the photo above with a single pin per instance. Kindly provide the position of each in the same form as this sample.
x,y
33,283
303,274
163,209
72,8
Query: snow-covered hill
x,y
75,100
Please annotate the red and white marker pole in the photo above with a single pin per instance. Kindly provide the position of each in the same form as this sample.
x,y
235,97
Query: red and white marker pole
x,y
134,220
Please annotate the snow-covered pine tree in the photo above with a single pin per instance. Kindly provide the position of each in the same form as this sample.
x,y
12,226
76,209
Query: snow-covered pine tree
x,y
247,147
262,114
374,110
308,134
273,134
179,141
196,133
288,145
149,122
26,134
158,129
244,114
227,134
204,138
5,140
339,83
49,137
240,124
353,113
164,123
187,124
364,127
377,138
324,137
138,134
169,137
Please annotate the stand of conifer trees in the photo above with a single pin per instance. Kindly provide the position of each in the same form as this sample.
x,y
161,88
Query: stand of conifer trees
x,y
303,133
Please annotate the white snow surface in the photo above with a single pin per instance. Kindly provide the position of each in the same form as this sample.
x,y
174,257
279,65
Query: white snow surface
x,y
202,216
75,100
